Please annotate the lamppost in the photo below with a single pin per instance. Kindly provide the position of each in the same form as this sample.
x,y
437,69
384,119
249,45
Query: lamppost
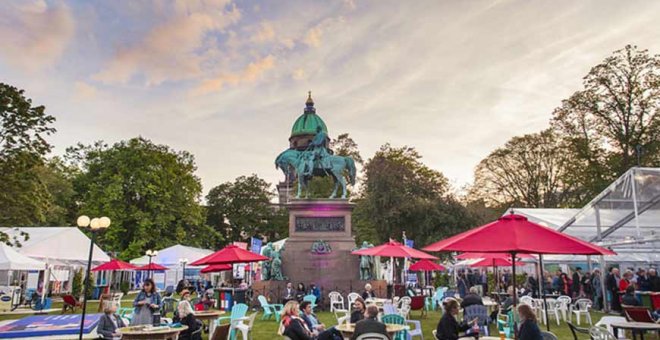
x,y
96,224
183,263
150,253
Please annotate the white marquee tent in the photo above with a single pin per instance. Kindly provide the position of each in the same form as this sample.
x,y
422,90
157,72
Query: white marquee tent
x,y
170,257
10,259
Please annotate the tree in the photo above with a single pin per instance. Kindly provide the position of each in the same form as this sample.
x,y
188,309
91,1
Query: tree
x,y
614,115
57,178
23,129
528,171
149,191
242,209
400,193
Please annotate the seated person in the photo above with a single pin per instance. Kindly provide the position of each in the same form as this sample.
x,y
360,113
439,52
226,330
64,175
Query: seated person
x,y
508,302
292,325
313,324
629,298
358,310
370,324
368,292
448,328
289,293
300,292
186,315
207,299
472,298
109,322
529,328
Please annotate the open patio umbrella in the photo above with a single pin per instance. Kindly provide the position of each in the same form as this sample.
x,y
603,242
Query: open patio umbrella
x,y
495,262
228,255
214,268
466,256
394,249
426,266
113,266
514,234
152,266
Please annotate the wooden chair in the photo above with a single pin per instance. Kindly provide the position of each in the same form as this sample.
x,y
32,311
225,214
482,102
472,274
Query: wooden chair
x,y
417,303
638,314
69,302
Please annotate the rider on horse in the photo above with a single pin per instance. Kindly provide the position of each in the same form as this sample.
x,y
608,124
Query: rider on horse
x,y
319,147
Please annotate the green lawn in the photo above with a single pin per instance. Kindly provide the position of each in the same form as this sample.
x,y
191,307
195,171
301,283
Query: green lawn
x,y
267,329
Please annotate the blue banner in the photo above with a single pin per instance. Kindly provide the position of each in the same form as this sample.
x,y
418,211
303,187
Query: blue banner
x,y
410,243
255,245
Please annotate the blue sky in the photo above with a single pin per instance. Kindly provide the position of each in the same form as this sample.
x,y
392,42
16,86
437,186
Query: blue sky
x,y
225,80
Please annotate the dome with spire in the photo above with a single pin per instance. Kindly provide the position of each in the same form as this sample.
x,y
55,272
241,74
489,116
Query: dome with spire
x,y
309,121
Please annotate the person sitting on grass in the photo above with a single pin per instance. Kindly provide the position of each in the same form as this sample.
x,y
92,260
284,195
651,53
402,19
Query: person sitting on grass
x,y
109,323
370,324
529,328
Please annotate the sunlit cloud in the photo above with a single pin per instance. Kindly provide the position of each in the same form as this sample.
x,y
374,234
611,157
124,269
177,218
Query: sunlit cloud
x,y
251,73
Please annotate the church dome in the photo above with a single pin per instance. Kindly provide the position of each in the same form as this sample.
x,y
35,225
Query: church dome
x,y
309,121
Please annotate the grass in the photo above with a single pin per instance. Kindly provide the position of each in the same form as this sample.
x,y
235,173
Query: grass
x,y
267,329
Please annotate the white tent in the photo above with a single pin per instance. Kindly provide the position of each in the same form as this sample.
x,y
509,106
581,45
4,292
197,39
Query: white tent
x,y
66,246
169,257
10,259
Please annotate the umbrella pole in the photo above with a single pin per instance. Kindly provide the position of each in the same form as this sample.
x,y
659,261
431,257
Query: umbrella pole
x,y
392,270
545,305
515,292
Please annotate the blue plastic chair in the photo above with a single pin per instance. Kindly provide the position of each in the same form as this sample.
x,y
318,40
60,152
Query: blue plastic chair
x,y
396,319
238,311
270,309
480,312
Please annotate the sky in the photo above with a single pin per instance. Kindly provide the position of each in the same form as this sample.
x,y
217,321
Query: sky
x,y
225,80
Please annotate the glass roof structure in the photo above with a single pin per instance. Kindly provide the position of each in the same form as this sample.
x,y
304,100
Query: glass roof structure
x,y
624,217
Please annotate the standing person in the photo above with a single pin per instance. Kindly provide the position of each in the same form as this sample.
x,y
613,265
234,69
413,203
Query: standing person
x,y
575,283
146,303
597,290
565,283
654,280
613,288
484,282
625,281
556,282
448,328
461,285
585,283
370,324
643,281
529,328
109,323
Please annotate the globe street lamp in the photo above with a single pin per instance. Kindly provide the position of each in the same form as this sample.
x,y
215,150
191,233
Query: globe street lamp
x,y
183,263
96,224
150,253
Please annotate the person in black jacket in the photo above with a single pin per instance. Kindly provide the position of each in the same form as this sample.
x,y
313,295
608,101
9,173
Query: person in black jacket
x,y
370,324
292,325
612,286
629,298
575,282
358,310
529,328
448,328
472,298
654,280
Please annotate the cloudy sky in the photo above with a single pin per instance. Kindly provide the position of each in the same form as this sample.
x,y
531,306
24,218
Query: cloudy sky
x,y
225,80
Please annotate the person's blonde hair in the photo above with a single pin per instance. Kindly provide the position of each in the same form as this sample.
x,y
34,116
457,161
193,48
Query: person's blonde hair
x,y
526,312
290,308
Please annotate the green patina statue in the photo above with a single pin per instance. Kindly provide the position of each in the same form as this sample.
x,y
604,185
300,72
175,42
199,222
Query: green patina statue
x,y
366,264
265,265
316,160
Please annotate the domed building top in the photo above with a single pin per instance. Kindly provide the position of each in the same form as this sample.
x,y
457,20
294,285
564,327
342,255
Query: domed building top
x,y
309,121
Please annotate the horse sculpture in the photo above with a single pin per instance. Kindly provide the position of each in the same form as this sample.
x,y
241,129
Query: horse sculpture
x,y
299,162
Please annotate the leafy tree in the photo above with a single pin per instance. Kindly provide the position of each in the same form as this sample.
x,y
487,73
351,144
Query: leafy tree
x,y
615,114
530,171
149,191
23,129
400,193
242,209
57,178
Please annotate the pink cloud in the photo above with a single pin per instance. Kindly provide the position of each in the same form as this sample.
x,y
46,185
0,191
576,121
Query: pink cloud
x,y
249,74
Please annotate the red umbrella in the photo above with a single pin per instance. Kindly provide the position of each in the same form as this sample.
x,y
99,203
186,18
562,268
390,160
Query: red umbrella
x,y
426,266
152,266
394,249
230,254
216,268
494,262
507,256
515,234
113,265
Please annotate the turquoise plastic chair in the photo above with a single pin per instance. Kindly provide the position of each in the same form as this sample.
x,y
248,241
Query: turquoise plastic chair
x,y
312,299
126,313
436,299
396,319
270,309
238,311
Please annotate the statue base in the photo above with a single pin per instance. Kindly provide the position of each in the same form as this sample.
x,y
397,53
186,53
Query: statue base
x,y
274,291
320,243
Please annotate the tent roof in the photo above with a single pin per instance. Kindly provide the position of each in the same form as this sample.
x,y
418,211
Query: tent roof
x,y
169,257
56,245
10,259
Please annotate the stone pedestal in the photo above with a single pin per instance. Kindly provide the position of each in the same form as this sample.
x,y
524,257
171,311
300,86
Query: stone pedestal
x,y
319,246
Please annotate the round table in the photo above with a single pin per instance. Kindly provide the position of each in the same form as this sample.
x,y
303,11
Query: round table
x,y
347,329
150,332
492,338
210,316
635,326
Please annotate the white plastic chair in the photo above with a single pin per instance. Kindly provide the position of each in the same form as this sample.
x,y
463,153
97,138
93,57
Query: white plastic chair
x,y
565,307
598,333
607,321
527,300
583,306
336,299
404,307
352,297
554,308
342,316
245,329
